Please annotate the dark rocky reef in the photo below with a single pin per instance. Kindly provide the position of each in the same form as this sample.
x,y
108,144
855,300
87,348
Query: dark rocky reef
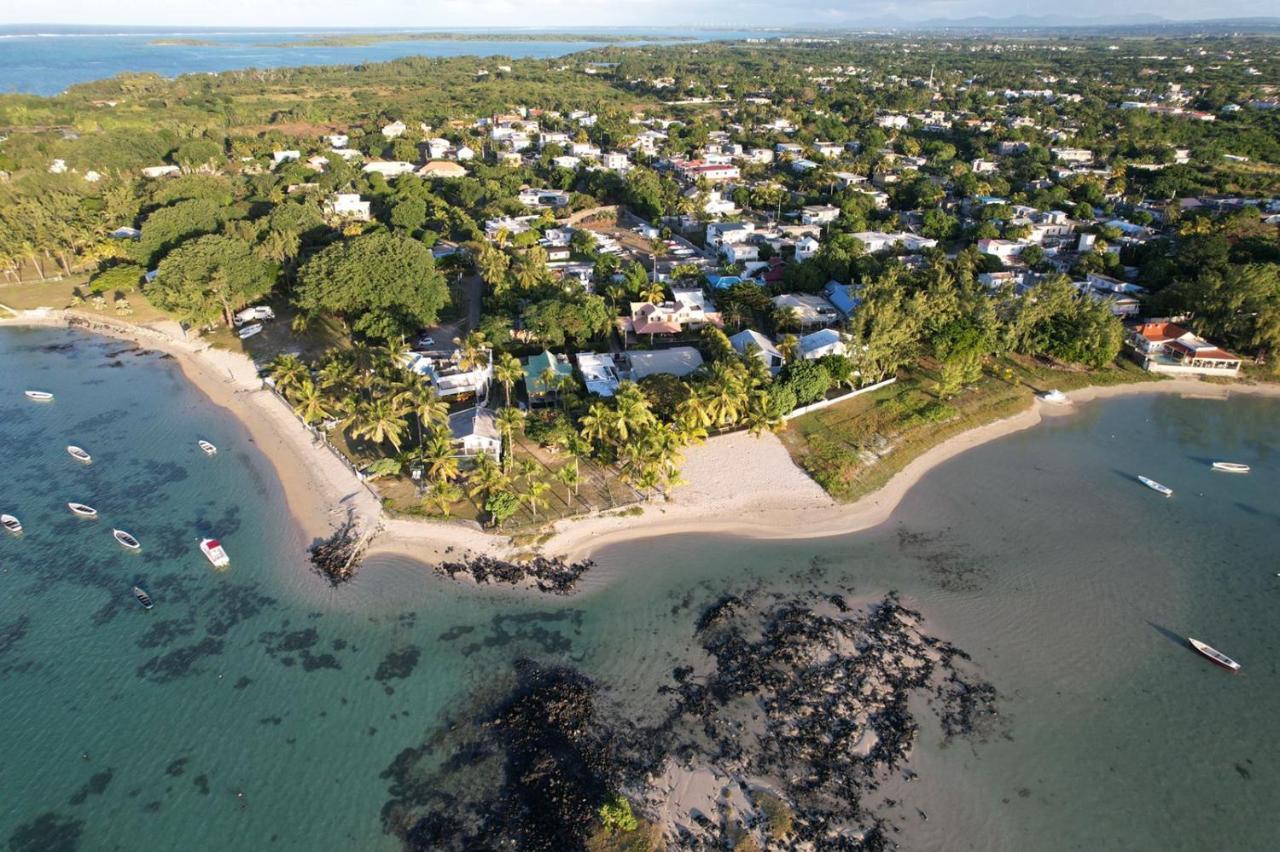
x,y
791,713
553,576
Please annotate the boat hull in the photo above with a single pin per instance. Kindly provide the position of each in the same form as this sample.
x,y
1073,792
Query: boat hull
x,y
1230,467
1214,656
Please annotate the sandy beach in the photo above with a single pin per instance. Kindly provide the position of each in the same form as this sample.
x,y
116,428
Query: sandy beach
x,y
735,484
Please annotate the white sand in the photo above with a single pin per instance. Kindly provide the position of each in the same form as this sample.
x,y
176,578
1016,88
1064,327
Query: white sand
x,y
735,483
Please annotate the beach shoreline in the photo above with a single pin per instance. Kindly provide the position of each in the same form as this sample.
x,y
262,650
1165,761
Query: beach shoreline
x,y
736,484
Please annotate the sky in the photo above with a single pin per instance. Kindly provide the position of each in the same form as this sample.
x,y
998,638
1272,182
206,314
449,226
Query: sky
x,y
543,14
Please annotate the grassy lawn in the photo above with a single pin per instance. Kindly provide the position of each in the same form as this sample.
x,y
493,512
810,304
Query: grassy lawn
x,y
854,448
59,294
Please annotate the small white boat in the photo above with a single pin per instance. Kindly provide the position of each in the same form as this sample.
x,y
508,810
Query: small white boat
x,y
1231,467
1214,654
12,524
209,449
212,549
1054,397
143,597
249,331
79,454
39,396
1156,486
82,510
127,541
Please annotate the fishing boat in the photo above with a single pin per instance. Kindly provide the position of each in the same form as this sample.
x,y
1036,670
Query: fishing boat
x,y
1231,467
209,449
39,396
82,510
212,549
143,597
12,524
79,454
1156,486
1214,654
126,540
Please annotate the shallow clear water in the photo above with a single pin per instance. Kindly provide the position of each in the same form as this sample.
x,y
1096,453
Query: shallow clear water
x,y
47,60
1038,554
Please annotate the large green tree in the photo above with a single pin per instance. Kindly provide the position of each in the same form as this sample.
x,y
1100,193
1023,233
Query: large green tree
x,y
386,285
210,278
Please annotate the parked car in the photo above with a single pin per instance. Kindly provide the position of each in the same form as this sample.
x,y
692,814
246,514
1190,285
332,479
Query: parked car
x,y
426,341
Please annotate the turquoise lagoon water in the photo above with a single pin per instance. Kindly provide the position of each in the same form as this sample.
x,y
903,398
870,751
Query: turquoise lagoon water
x,y
1038,554
46,60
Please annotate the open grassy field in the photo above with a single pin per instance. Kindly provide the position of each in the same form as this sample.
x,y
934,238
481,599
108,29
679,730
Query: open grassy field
x,y
854,448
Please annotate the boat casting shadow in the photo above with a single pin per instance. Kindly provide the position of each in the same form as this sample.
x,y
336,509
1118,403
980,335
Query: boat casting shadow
x,y
1175,638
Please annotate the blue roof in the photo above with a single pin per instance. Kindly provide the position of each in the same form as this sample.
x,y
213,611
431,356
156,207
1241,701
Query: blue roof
x,y
843,296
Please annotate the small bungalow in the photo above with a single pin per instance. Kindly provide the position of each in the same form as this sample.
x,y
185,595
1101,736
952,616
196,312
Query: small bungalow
x,y
843,296
678,361
826,341
536,385
749,342
811,310
475,432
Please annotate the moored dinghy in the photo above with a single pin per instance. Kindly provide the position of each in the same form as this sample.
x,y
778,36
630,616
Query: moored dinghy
x,y
1231,467
209,449
82,510
79,454
12,524
213,551
143,597
126,540
1156,486
1214,654
39,396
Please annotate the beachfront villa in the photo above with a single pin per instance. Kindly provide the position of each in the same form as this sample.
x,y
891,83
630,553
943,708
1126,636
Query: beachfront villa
x,y
449,376
1169,348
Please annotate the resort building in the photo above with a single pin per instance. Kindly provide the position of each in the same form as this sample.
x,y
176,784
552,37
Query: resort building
x,y
1169,348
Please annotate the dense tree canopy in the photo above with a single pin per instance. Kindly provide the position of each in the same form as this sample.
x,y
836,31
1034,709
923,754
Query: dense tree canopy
x,y
210,278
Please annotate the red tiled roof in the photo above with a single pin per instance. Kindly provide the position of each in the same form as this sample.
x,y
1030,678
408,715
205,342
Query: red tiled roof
x,y
1161,331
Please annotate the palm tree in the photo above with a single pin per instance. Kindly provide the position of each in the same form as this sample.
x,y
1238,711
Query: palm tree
x,y
693,412
594,425
784,318
509,420
535,496
654,292
428,409
725,392
310,402
474,349
492,264
570,477
443,495
287,371
382,420
439,457
787,347
485,478
507,371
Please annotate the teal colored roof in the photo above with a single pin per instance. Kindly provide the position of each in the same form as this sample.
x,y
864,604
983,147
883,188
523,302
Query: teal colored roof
x,y
539,364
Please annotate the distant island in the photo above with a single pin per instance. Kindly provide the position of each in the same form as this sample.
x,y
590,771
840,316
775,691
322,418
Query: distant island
x,y
361,39
181,42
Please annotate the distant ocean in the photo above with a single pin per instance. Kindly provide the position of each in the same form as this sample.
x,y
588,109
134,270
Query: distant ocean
x,y
46,60
1069,583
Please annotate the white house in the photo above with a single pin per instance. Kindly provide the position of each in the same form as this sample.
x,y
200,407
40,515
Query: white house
x,y
278,157
160,171
806,247
810,310
875,241
599,373
1006,250
475,432
449,376
394,130
615,161
750,342
826,341
389,168
1170,348
338,140
543,197
741,252
676,361
348,205
728,233
819,214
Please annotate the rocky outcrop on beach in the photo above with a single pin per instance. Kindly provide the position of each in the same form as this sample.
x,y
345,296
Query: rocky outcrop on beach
x,y
789,715
553,576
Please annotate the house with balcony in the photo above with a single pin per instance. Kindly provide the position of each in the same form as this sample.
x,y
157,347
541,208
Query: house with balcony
x,y
1166,347
451,374
474,432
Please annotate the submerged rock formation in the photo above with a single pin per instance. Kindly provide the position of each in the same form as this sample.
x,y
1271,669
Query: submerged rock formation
x,y
554,576
790,713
